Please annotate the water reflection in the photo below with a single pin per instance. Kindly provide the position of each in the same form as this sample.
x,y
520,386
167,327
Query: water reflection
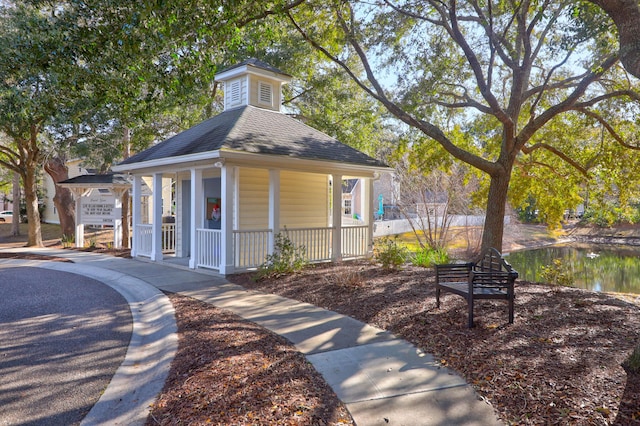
x,y
597,268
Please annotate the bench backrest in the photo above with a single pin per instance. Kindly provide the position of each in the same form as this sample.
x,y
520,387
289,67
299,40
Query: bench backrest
x,y
491,260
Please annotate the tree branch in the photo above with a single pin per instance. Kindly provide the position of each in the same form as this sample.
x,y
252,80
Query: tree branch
x,y
558,153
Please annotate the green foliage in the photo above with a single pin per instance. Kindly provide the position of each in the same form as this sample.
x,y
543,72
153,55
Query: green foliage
x,y
286,259
389,253
67,240
557,273
427,257
632,363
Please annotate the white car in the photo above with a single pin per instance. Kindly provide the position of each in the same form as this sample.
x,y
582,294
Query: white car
x,y
6,216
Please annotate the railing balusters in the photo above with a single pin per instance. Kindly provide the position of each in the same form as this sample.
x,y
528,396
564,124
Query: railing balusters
x,y
168,237
250,247
209,247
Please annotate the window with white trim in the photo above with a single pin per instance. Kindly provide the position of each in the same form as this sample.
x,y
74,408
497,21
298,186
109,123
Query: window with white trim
x,y
265,93
347,207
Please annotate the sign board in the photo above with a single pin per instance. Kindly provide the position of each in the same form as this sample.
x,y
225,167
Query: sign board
x,y
99,209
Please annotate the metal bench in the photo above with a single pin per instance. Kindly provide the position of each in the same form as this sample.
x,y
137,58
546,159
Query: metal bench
x,y
491,277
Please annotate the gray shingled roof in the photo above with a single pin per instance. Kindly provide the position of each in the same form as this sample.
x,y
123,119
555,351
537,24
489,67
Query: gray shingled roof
x,y
106,179
254,63
255,130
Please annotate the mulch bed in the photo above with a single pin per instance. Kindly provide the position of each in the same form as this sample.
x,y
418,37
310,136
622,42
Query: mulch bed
x,y
232,372
559,363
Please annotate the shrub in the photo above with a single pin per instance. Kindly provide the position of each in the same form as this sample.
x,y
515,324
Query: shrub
x,y
632,363
426,257
286,259
557,274
349,278
389,253
67,240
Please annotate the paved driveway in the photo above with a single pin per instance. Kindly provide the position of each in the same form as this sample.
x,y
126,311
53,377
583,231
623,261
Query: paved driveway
x,y
62,337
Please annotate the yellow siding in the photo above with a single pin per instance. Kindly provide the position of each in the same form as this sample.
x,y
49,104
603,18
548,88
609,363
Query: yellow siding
x,y
253,199
304,200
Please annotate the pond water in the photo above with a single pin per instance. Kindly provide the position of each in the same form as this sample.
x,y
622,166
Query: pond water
x,y
596,267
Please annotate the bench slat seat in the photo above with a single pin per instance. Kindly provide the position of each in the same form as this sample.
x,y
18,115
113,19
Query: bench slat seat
x,y
491,277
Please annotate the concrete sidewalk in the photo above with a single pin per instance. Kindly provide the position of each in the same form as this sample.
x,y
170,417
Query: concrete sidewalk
x,y
382,379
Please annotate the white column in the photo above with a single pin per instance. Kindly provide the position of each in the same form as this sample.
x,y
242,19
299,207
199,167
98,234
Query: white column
x,y
79,225
197,214
136,204
274,207
117,221
367,210
227,185
156,225
336,247
178,215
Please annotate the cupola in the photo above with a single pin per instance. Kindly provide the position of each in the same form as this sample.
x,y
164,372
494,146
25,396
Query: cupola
x,y
252,82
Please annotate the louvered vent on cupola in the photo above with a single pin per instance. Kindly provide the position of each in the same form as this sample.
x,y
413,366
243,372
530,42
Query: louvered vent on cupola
x,y
253,82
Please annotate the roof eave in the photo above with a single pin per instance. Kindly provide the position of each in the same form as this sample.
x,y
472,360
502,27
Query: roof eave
x,y
166,162
250,159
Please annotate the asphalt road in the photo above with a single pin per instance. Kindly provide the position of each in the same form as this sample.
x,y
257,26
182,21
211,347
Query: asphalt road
x,y
62,337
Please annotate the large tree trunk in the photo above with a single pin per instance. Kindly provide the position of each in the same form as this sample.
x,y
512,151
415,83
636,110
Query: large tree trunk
x,y
626,15
15,225
496,207
31,199
63,199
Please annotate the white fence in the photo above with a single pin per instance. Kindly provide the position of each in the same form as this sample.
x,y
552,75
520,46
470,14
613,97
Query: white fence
x,y
144,239
400,226
355,241
250,248
208,248
168,238
316,241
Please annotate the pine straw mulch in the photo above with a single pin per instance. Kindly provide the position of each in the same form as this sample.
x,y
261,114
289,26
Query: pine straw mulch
x,y
559,363
232,372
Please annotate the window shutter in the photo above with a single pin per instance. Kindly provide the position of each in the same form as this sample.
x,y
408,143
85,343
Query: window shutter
x,y
234,93
265,93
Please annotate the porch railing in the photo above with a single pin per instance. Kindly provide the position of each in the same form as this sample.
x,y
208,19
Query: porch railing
x,y
250,247
355,241
168,238
144,236
317,241
209,248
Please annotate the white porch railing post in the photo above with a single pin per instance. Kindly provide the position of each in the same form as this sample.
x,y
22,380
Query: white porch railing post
x,y
227,185
197,207
336,238
117,220
274,207
79,225
136,204
156,236
367,211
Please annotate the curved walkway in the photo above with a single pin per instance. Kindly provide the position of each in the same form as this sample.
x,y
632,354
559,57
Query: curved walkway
x,y
382,379
140,374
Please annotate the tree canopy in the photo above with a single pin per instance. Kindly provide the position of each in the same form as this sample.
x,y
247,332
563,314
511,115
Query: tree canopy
x,y
482,79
